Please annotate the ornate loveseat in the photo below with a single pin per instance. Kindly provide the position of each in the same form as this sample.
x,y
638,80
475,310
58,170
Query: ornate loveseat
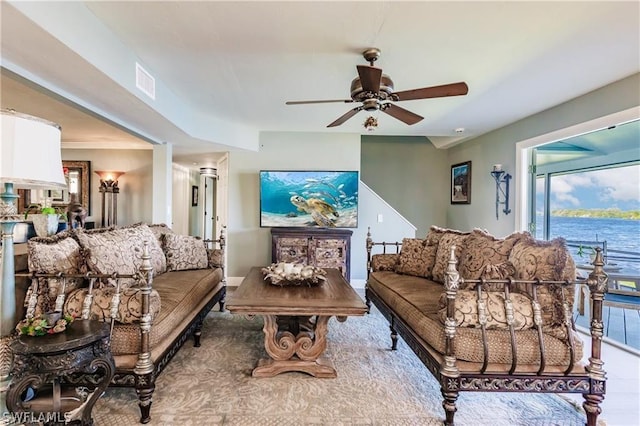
x,y
154,286
490,314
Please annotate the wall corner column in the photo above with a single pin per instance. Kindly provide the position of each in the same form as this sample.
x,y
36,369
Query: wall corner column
x,y
162,184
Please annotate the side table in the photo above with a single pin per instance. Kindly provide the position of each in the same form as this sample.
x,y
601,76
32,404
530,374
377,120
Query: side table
x,y
48,370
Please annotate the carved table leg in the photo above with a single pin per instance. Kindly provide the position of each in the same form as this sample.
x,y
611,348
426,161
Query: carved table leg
x,y
301,352
103,364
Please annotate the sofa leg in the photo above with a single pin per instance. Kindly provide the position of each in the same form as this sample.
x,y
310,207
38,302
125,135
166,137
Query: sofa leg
x,y
222,301
394,337
449,404
196,334
145,385
591,406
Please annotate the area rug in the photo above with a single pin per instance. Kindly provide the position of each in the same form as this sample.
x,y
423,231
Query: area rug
x,y
212,385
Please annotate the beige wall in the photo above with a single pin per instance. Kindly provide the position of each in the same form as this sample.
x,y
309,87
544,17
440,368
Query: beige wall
x,y
410,174
499,146
134,199
250,245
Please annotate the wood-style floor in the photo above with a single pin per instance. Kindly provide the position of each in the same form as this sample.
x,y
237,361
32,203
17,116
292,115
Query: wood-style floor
x,y
621,405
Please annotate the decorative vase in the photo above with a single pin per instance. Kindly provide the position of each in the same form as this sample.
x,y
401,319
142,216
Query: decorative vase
x,y
44,224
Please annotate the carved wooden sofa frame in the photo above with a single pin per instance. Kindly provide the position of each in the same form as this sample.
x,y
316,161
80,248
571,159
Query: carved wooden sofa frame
x,y
143,376
453,380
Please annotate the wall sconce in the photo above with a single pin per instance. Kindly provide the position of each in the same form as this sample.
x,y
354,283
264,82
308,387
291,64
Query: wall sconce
x,y
502,187
109,190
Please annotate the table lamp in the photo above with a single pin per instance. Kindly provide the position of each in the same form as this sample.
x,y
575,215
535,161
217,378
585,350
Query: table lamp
x,y
30,157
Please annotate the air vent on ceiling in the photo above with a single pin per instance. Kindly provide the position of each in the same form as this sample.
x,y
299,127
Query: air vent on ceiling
x,y
145,82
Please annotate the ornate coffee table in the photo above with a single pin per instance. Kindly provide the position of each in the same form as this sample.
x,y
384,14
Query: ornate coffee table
x,y
295,320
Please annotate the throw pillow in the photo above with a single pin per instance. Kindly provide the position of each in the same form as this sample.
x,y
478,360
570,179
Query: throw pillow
x,y
466,310
119,250
436,233
216,258
52,255
545,260
416,258
482,249
447,241
501,271
129,310
158,229
384,261
184,252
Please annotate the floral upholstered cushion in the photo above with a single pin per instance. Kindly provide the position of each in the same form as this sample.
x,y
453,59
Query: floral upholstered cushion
x,y
416,258
129,309
545,260
466,310
481,249
119,250
184,252
52,255
446,242
384,261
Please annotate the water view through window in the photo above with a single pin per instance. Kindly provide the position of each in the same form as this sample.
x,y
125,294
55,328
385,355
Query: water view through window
x,y
597,206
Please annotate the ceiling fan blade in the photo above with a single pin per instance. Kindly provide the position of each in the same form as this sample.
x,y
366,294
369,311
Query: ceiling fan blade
x,y
346,101
370,78
345,117
454,89
401,114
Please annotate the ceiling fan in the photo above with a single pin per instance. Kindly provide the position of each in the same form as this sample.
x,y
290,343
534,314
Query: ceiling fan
x,y
375,90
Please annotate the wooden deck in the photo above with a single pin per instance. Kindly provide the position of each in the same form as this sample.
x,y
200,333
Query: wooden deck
x,y
620,324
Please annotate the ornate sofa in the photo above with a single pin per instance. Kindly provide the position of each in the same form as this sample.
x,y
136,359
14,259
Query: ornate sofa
x,y
154,286
490,314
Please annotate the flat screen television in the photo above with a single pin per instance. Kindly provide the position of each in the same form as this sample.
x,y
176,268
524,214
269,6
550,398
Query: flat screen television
x,y
309,198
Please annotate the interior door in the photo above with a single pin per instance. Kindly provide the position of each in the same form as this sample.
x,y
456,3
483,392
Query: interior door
x,y
209,203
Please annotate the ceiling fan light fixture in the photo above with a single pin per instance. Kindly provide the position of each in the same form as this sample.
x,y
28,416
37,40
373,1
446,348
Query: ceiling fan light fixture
x,y
374,90
371,123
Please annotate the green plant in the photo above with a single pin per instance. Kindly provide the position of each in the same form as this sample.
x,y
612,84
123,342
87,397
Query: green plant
x,y
38,208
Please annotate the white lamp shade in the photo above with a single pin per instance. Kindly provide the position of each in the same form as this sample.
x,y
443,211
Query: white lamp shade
x,y
30,154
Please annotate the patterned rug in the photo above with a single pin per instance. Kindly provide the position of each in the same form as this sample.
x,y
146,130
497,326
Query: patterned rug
x,y
212,385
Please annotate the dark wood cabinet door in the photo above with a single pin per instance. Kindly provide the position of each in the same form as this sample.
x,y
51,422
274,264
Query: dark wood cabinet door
x,y
324,248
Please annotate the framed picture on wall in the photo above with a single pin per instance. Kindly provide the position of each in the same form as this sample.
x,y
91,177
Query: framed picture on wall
x,y
461,183
194,196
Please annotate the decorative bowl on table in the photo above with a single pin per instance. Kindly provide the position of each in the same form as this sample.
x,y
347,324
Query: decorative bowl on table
x,y
288,274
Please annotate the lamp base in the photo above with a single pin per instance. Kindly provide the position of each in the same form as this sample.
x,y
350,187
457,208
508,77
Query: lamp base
x,y
8,219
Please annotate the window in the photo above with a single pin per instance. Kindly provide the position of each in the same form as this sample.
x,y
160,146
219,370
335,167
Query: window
x,y
590,196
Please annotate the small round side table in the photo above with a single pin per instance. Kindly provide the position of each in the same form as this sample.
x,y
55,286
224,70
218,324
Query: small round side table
x,y
59,377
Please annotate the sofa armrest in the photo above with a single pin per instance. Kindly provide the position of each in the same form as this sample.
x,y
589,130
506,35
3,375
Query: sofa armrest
x,y
384,262
544,326
217,255
395,246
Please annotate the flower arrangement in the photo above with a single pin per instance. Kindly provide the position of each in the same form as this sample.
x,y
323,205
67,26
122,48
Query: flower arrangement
x,y
41,325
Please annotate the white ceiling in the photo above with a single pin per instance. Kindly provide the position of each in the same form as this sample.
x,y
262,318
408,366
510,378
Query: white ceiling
x,y
225,69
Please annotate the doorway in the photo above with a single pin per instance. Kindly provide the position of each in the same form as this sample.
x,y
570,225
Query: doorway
x,y
208,183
